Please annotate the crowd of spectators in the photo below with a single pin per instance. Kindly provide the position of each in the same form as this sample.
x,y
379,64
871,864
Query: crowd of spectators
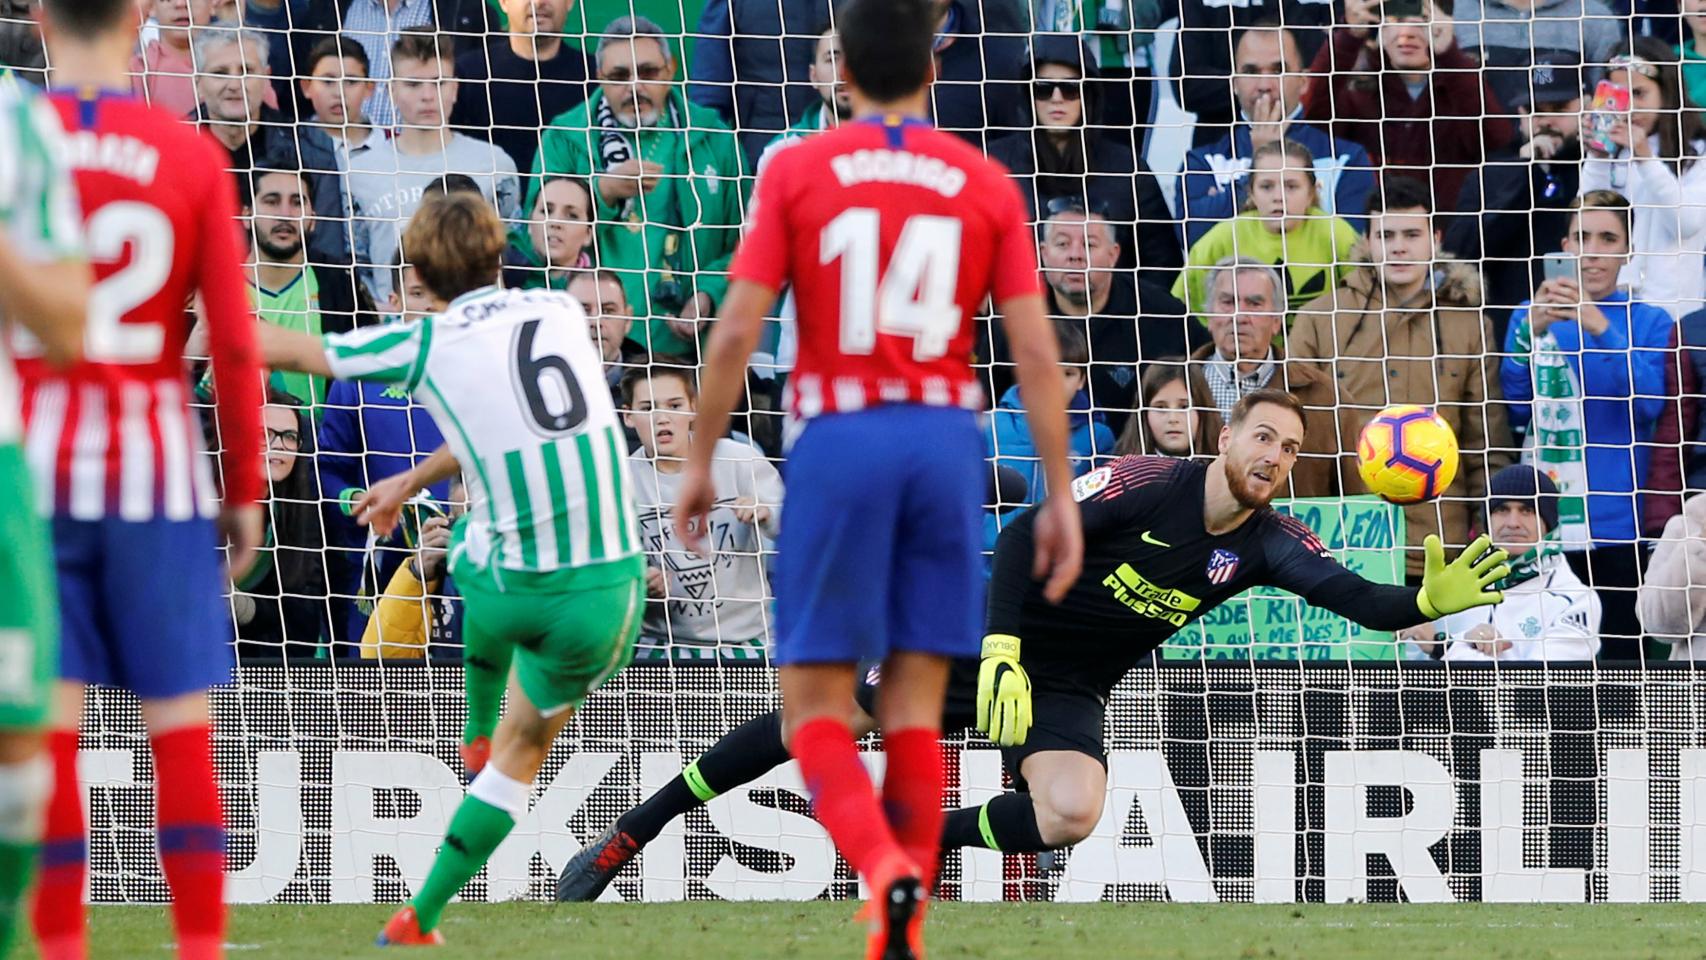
x,y
1435,202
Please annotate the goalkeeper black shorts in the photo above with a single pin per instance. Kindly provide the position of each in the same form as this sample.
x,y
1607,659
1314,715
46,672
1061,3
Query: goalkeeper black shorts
x,y
1064,716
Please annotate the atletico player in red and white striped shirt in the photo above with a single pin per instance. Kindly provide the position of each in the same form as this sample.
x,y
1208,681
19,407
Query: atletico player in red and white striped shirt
x,y
118,457
114,435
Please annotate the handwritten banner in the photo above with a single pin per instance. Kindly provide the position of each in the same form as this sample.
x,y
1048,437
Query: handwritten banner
x,y
1366,534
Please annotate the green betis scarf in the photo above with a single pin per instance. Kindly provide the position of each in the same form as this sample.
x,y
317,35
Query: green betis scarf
x,y
1532,563
1556,441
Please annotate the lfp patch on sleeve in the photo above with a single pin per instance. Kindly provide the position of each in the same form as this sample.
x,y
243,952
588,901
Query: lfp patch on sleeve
x,y
1091,483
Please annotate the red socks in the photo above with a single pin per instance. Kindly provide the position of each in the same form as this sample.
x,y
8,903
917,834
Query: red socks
x,y
58,909
912,795
843,799
192,840
192,848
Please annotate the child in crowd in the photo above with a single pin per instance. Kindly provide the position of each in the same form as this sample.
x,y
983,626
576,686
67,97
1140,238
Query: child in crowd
x,y
1007,434
700,608
1282,224
1165,422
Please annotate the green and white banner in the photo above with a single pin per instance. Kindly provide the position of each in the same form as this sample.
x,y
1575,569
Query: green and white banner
x,y
1366,534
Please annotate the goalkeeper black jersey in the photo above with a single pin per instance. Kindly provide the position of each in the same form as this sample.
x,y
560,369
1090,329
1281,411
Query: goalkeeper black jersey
x,y
1151,567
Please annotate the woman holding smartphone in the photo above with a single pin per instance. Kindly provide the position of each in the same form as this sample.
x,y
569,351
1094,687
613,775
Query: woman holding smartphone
x,y
1650,153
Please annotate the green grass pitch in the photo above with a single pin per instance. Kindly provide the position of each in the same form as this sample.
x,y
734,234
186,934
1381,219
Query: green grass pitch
x,y
825,931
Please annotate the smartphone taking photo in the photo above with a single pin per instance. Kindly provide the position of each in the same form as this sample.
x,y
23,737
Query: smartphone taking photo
x,y
1610,104
1562,266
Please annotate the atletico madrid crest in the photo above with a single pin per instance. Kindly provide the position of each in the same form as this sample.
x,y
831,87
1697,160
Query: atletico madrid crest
x,y
1222,564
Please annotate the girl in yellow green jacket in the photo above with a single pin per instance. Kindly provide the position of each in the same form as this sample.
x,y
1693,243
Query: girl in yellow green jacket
x,y
1282,224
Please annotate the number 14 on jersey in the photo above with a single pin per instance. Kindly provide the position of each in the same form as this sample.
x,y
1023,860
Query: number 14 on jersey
x,y
913,298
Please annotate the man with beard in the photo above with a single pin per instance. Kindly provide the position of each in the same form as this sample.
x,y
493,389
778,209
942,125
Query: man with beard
x,y
1165,541
287,290
833,105
666,176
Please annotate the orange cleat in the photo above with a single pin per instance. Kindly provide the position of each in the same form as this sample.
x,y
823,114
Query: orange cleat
x,y
897,921
404,930
475,755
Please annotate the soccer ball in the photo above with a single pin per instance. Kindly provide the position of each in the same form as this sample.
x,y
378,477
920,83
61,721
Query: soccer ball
x,y
1407,454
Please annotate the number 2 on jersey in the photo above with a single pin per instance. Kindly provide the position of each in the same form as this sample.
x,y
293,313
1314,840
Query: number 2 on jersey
x,y
107,338
148,233
913,298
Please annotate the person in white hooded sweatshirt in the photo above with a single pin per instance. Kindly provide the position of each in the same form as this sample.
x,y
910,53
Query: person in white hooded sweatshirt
x,y
1548,614
1654,160
1672,599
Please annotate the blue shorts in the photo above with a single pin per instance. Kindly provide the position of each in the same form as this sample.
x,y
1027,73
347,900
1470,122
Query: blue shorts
x,y
142,605
881,545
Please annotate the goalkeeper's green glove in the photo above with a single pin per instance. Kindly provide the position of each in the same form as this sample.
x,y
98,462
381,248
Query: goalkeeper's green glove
x,y
1463,583
1003,692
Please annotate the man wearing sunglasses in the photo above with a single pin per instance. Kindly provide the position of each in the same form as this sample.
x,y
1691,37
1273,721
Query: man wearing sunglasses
x,y
1072,152
659,165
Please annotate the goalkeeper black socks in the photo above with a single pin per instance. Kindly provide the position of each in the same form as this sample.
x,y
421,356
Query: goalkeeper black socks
x,y
1007,823
744,754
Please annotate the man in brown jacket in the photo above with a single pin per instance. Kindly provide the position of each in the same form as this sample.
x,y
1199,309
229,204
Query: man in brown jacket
x,y
1394,332
1246,311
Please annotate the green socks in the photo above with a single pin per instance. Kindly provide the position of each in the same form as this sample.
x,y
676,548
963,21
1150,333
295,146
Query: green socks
x,y
485,664
17,869
486,816
24,789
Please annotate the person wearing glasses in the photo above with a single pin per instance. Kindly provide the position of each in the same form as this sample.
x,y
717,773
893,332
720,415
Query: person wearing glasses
x,y
1069,152
1268,78
666,181
279,602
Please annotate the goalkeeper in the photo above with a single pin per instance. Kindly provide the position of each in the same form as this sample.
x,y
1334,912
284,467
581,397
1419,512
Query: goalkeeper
x,y
1165,541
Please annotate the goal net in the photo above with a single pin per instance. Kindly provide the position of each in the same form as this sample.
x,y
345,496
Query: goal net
x,y
1417,203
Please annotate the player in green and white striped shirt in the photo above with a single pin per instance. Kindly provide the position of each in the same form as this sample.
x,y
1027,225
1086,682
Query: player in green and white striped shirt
x,y
547,558
44,290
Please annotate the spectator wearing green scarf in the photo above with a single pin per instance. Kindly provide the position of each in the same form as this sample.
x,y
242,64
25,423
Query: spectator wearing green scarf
x,y
666,178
